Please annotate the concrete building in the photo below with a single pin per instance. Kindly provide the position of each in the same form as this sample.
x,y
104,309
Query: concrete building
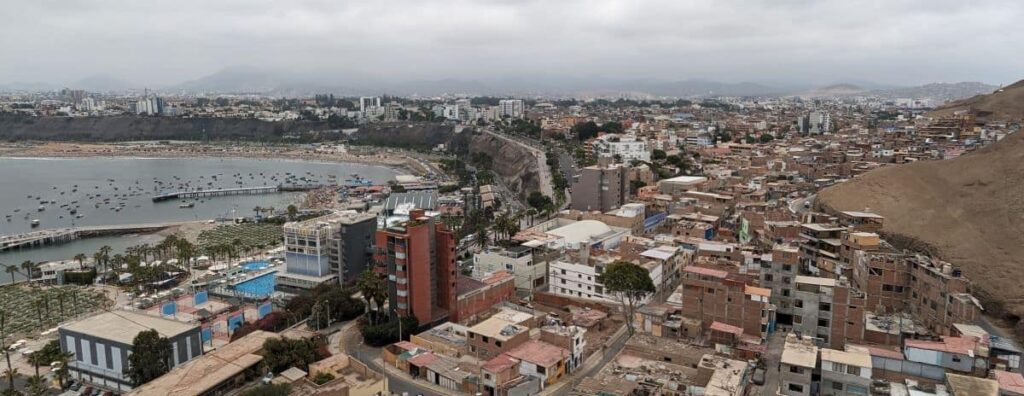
x,y
418,257
625,148
495,336
828,309
797,366
338,244
368,104
100,345
845,372
676,186
213,373
601,188
517,260
571,338
541,360
710,295
476,296
512,108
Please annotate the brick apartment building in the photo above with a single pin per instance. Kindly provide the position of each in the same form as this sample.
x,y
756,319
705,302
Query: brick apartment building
x,y
418,257
712,295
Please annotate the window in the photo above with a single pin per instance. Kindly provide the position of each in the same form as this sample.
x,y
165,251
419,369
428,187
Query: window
x,y
796,369
486,339
797,319
886,288
838,367
787,267
824,307
563,272
875,271
497,344
837,386
853,370
796,388
822,322
956,358
785,292
541,370
768,277
798,303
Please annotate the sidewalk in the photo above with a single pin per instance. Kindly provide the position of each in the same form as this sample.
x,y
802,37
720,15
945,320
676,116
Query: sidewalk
x,y
394,371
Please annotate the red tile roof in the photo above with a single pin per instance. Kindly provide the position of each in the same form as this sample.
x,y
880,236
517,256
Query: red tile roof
x,y
961,345
500,363
1011,382
539,353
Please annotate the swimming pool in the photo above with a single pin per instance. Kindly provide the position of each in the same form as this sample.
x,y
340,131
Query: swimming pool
x,y
258,287
256,265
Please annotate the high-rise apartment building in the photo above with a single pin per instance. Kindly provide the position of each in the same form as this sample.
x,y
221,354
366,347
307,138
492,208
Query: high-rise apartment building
x,y
368,103
336,244
512,108
601,188
418,257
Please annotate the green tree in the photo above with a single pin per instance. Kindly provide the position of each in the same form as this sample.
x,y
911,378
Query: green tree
x,y
658,154
28,266
151,357
373,288
539,201
635,185
585,130
292,211
11,372
279,354
36,385
766,137
80,258
10,269
269,390
631,283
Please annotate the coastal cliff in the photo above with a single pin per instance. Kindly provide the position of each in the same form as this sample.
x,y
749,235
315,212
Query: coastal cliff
x,y
15,127
514,164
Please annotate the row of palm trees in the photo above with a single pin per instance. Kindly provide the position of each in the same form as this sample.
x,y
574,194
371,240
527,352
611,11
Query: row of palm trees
x,y
27,269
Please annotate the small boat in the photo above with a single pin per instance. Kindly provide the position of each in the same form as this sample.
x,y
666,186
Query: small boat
x,y
186,205
73,211
35,223
41,208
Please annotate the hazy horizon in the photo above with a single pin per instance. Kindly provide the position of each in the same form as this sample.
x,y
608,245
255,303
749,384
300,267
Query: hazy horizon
x,y
788,43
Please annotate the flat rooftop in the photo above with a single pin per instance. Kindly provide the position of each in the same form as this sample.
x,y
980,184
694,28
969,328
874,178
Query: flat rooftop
x,y
206,372
123,326
498,329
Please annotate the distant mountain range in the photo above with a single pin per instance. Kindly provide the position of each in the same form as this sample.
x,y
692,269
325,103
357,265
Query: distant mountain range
x,y
1005,103
251,80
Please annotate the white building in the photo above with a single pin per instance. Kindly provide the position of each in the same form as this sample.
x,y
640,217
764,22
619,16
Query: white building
x,y
516,260
368,103
626,147
581,280
512,108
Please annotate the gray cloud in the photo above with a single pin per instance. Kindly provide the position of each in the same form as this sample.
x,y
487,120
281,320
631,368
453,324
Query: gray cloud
x,y
165,42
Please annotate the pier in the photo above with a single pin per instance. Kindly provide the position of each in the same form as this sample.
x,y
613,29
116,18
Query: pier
x,y
61,235
216,193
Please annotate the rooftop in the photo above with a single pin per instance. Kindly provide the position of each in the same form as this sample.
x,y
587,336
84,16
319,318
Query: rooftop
x,y
539,353
686,179
800,351
582,231
859,358
498,329
206,372
973,386
812,280
123,326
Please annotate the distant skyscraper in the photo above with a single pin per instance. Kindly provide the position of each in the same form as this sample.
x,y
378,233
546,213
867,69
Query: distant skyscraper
x,y
512,108
366,103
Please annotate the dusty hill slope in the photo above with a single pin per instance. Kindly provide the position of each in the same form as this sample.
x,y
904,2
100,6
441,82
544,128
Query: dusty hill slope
x,y
971,209
1004,104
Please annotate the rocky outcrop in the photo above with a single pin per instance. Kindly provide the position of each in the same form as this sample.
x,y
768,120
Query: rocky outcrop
x,y
411,135
514,164
18,127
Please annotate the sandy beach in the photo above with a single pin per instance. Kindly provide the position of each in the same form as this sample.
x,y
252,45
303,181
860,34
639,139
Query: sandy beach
x,y
398,159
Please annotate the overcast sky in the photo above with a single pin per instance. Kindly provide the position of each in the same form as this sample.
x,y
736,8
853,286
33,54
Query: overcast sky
x,y
792,41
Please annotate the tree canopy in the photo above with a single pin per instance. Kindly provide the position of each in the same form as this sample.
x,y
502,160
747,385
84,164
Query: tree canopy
x,y
630,282
150,358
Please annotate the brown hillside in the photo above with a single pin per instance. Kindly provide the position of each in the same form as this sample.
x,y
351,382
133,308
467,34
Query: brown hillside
x,y
971,209
1003,104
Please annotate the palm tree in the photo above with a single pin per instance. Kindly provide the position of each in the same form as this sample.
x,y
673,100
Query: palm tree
x,y
36,384
80,258
105,249
7,353
11,270
258,210
97,259
531,213
292,211
62,373
28,266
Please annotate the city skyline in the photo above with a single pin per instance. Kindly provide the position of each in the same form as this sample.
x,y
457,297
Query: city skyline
x,y
794,43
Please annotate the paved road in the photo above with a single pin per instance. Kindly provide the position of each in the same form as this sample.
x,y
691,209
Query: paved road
x,y
542,166
776,341
351,342
610,353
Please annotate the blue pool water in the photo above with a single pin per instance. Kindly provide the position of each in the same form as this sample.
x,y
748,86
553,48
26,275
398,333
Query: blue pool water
x,y
256,265
258,287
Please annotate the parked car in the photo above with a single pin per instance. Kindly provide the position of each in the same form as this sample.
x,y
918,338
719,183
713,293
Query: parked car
x,y
758,376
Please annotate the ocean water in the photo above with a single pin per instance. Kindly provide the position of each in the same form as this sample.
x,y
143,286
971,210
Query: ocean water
x,y
96,187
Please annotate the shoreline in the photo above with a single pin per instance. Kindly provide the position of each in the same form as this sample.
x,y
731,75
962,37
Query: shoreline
x,y
400,162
